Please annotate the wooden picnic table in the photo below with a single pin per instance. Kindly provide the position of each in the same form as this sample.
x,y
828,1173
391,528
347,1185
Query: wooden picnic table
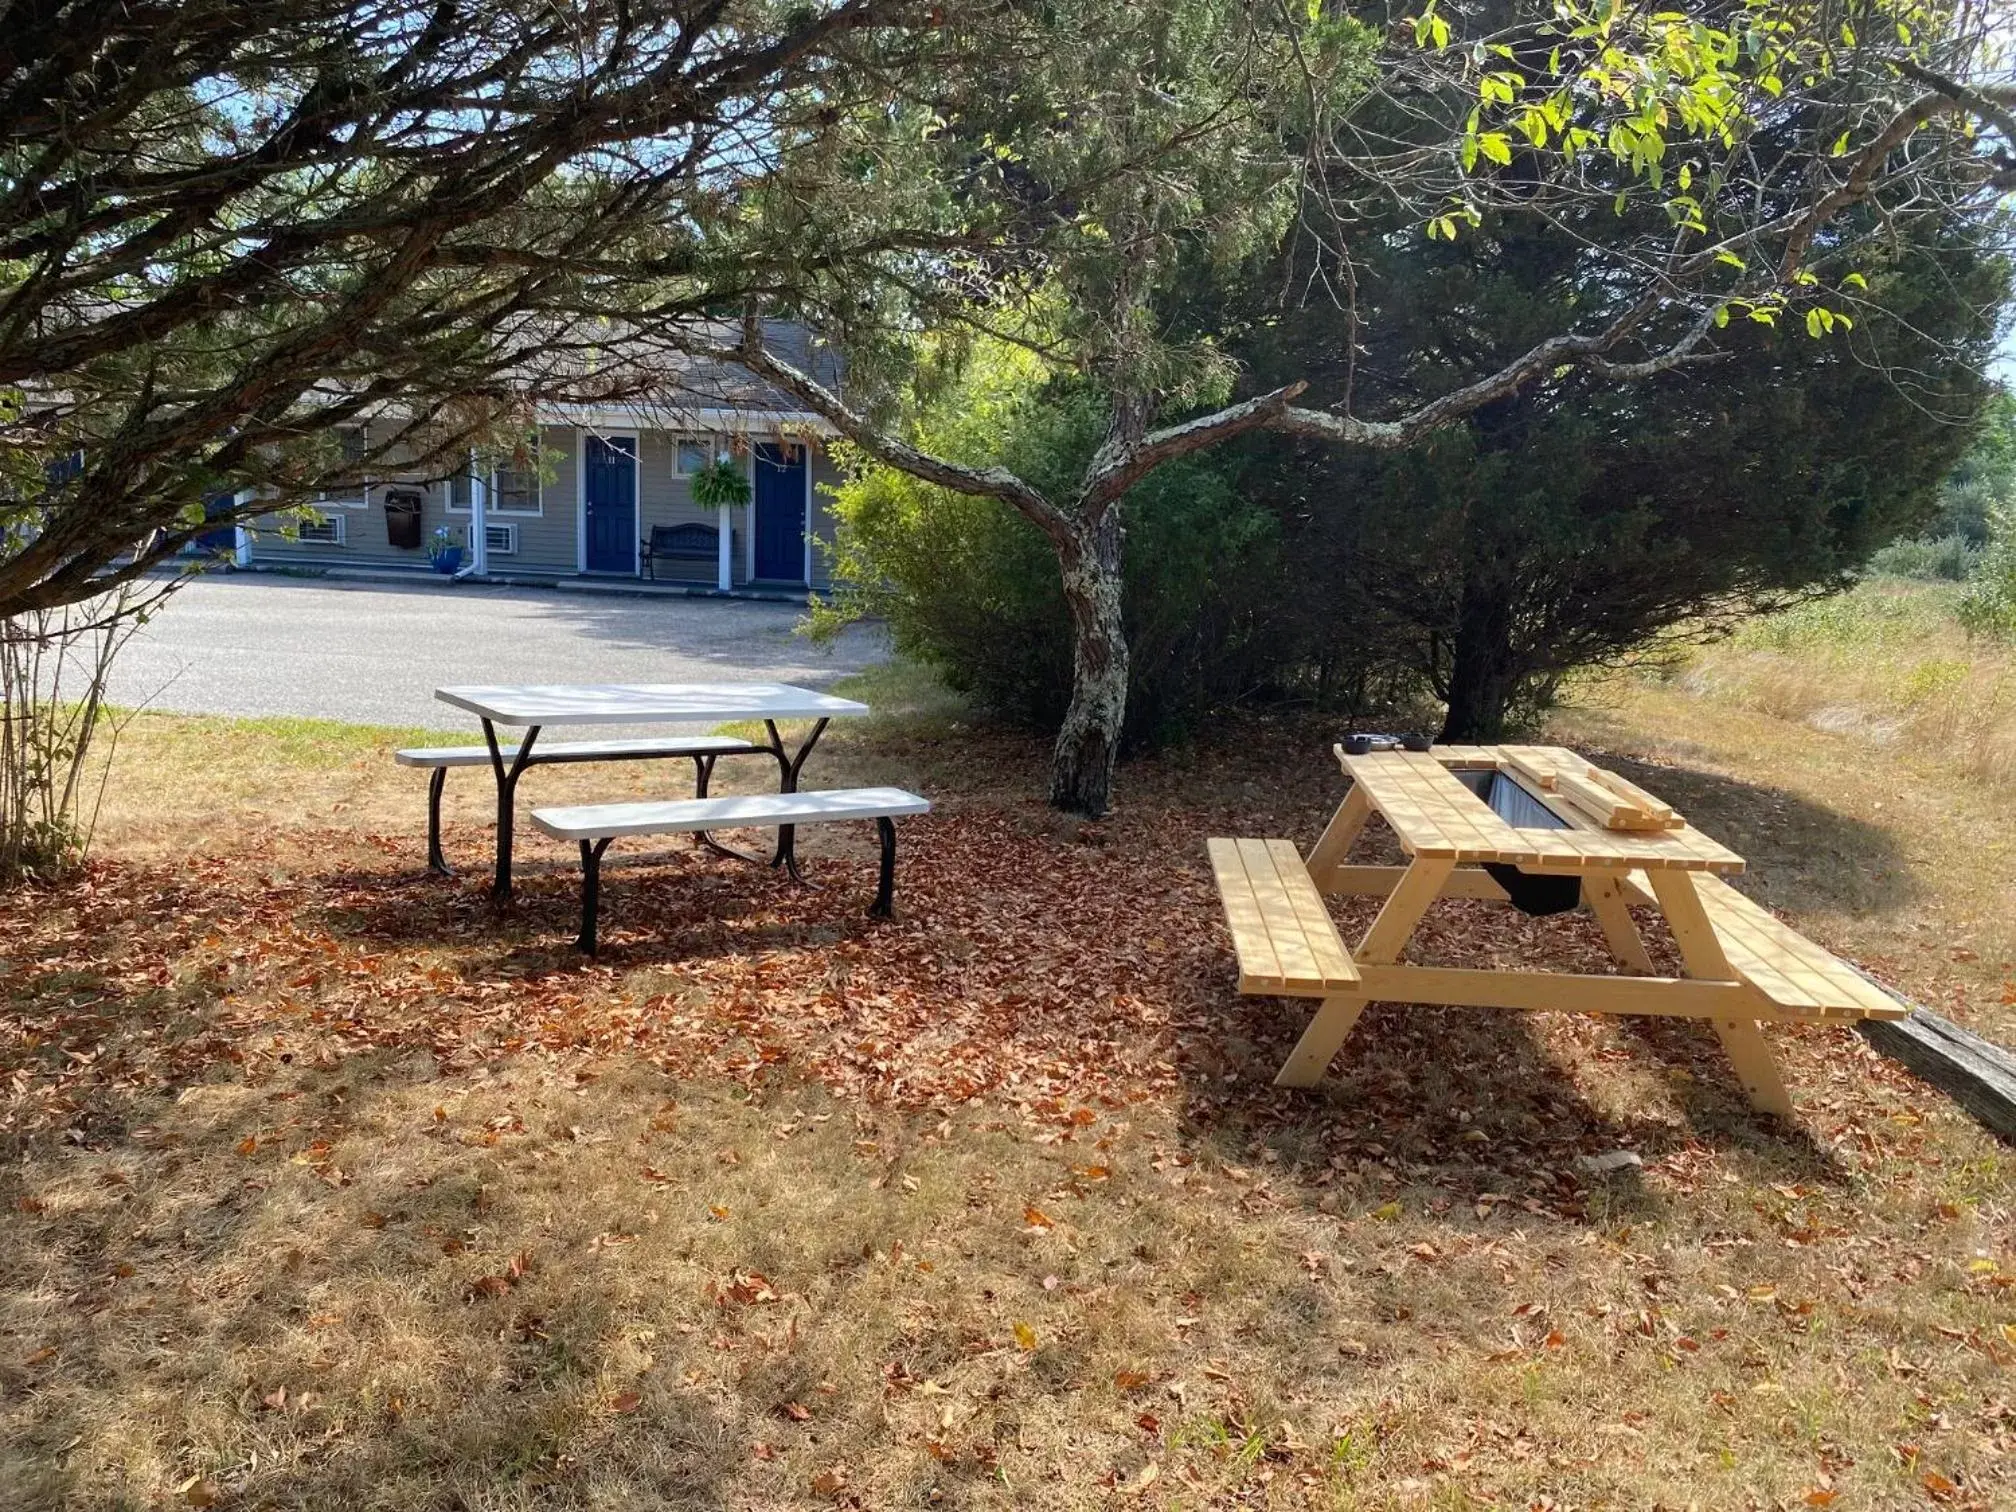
x,y
532,707
1619,844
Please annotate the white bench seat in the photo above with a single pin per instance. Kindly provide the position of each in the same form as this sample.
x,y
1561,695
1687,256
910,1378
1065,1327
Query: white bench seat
x,y
579,750
701,750
594,825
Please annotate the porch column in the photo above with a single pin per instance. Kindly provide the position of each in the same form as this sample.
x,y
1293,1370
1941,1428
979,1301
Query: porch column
x,y
724,562
479,538
241,534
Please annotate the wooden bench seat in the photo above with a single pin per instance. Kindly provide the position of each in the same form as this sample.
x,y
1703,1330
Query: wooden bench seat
x,y
1287,943
1797,974
594,825
701,750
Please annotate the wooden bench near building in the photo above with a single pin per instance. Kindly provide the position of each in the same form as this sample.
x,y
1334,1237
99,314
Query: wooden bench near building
x,y
1540,827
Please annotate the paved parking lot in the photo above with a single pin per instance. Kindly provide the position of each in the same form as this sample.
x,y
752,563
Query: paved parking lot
x,y
373,653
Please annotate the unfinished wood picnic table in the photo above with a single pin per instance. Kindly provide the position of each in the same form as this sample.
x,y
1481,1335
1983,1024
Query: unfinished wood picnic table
x,y
1543,827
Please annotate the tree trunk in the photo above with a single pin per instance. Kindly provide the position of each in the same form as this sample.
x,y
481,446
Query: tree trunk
x,y
1081,771
1483,673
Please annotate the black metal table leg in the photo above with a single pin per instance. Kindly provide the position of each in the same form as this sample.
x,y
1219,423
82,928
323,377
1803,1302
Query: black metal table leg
x,y
884,905
507,798
436,862
703,774
591,892
787,782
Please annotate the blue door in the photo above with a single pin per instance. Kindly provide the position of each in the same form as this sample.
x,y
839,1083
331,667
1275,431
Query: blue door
x,y
224,539
780,513
609,481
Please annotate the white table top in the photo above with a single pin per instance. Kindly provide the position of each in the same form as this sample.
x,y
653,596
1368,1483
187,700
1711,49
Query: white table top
x,y
645,703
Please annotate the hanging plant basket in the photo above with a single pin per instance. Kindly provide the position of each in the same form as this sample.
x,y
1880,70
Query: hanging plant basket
x,y
720,482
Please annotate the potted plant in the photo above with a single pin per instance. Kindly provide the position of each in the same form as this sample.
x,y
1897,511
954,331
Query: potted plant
x,y
445,552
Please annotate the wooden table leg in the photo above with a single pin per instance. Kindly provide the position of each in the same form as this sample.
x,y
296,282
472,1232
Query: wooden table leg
x,y
1606,901
1383,942
1742,1040
1344,828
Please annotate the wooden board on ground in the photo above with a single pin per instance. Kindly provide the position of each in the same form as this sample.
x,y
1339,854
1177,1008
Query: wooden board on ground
x,y
1976,1073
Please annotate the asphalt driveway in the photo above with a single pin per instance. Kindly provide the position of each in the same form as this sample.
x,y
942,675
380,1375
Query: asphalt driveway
x,y
373,653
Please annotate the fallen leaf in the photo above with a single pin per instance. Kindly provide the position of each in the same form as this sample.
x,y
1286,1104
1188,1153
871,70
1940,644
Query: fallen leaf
x,y
626,1401
1150,1473
198,1492
830,1482
1025,1336
246,1146
1129,1380
1036,1218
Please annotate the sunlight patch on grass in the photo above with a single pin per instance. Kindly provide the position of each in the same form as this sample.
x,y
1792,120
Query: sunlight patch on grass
x,y
1888,664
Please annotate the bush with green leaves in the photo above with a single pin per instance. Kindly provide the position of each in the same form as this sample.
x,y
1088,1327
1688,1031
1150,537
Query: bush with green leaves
x,y
1930,559
1988,607
970,587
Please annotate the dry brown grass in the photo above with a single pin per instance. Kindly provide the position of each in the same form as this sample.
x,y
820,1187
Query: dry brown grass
x,y
330,1192
1887,665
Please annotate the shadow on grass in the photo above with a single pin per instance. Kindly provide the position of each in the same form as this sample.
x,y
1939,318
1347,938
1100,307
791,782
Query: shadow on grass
x,y
244,1283
1801,854
657,907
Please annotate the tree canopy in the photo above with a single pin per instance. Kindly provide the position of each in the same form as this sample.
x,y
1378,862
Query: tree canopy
x,y
229,226
1740,153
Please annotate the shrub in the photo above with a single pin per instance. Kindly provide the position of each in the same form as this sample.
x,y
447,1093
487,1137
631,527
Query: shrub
x,y
1950,559
1988,607
970,587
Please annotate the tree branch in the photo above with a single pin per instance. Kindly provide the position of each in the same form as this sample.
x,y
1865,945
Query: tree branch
x,y
1115,469
752,353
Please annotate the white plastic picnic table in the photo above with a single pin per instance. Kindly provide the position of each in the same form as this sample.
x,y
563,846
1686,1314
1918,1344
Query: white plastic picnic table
x,y
532,707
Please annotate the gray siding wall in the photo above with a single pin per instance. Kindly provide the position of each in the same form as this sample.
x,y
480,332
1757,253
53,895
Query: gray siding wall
x,y
824,476
545,539
548,541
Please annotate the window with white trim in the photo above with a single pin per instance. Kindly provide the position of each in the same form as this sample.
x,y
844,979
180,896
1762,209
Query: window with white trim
x,y
691,457
514,484
357,495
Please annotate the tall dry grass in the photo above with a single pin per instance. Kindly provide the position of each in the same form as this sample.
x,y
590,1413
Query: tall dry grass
x,y
1888,663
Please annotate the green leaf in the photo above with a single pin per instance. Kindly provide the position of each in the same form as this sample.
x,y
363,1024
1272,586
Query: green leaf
x,y
1841,144
1857,280
1814,325
1496,146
